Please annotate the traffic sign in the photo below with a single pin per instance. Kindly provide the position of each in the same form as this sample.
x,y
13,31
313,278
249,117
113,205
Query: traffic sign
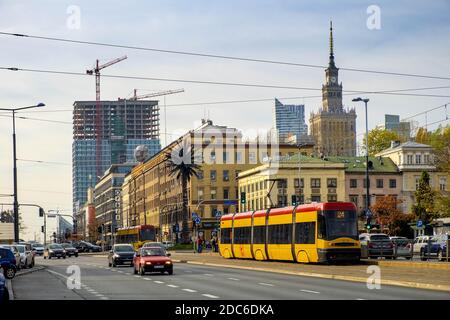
x,y
218,214
197,220
194,215
229,202
419,223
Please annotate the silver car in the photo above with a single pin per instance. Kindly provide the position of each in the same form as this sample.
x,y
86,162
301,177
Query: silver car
x,y
26,256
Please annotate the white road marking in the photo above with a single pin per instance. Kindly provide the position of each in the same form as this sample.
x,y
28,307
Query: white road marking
x,y
266,284
360,299
189,290
310,291
234,279
209,274
136,276
210,296
172,286
158,281
147,279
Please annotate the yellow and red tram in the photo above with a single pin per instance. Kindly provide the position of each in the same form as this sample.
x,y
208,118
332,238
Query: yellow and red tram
x,y
317,232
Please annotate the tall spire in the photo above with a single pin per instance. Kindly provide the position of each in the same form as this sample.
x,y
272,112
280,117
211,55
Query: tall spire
x,y
331,45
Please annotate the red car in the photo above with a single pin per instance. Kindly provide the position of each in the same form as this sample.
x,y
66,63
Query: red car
x,y
152,259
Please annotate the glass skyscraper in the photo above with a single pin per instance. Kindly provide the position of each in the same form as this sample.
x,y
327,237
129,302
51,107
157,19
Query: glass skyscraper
x,y
125,124
289,119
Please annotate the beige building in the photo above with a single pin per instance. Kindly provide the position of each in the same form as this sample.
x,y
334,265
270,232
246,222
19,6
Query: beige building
x,y
151,196
412,159
333,128
317,180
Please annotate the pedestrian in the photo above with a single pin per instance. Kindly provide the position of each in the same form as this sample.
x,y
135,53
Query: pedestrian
x,y
213,244
199,245
216,245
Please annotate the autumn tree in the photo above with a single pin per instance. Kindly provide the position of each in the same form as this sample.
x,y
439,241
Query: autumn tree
x,y
386,211
380,139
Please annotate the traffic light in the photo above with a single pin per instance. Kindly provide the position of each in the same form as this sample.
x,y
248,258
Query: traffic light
x,y
294,200
243,200
42,229
368,225
41,212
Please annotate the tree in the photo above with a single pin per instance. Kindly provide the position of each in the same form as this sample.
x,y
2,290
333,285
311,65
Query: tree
x,y
180,163
424,208
388,214
443,205
380,139
7,216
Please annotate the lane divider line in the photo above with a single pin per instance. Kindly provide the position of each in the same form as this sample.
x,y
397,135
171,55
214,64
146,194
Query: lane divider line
x,y
310,291
210,296
266,284
189,290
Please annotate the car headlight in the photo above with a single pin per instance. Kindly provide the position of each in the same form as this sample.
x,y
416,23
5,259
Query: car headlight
x,y
148,263
50,251
116,255
168,262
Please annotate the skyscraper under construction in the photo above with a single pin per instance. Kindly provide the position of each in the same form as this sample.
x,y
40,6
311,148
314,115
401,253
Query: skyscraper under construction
x,y
123,125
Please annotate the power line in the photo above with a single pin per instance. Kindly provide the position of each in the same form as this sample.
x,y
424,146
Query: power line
x,y
37,119
426,111
236,84
42,161
207,55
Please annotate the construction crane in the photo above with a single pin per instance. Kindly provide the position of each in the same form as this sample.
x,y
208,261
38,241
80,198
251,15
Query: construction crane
x,y
98,110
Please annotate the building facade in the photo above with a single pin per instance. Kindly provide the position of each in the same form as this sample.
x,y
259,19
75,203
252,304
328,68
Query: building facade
x,y
299,180
125,124
151,195
107,201
289,120
412,159
85,223
333,128
402,128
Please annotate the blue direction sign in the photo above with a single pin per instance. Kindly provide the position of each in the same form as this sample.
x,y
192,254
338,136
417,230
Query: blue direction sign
x,y
197,220
229,202
419,223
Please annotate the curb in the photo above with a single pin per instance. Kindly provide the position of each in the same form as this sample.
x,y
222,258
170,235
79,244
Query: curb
x,y
334,277
36,268
411,264
10,289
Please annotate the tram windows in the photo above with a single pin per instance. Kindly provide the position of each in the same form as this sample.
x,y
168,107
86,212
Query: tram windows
x,y
242,235
225,235
280,234
259,235
305,232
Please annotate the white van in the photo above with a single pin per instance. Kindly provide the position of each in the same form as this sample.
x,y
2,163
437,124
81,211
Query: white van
x,y
420,242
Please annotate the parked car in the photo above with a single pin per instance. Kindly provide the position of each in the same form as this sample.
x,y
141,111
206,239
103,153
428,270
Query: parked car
x,y
402,247
377,245
4,294
437,248
121,254
54,250
70,250
16,253
84,246
8,262
37,248
26,256
152,259
419,243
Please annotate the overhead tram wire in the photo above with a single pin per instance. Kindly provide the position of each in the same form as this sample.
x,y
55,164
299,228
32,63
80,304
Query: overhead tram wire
x,y
207,55
215,82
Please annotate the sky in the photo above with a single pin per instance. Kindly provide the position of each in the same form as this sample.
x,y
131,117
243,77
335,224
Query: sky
x,y
409,37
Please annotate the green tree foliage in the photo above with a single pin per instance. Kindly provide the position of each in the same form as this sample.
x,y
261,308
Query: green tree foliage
x,y
424,207
7,216
440,141
380,139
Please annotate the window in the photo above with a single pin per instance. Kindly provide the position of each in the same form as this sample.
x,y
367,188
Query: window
x,y
426,159
213,156
242,235
237,174
226,175
238,157
315,198
332,198
332,183
305,232
282,183
200,174
225,235
418,158
213,193
282,200
354,199
353,183
200,194
252,157
259,235
315,183
409,159
226,193
299,183
392,183
280,234
379,183
442,183
213,175
225,157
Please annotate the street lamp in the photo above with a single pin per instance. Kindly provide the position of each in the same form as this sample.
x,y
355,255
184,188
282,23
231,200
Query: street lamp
x,y
16,203
367,153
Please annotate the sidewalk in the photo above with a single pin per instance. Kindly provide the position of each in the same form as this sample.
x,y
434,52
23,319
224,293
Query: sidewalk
x,y
401,274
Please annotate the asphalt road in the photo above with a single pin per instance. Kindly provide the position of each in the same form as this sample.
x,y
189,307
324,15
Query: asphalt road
x,y
193,282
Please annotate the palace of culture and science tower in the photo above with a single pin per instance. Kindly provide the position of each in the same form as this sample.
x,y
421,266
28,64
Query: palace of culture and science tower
x,y
333,128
